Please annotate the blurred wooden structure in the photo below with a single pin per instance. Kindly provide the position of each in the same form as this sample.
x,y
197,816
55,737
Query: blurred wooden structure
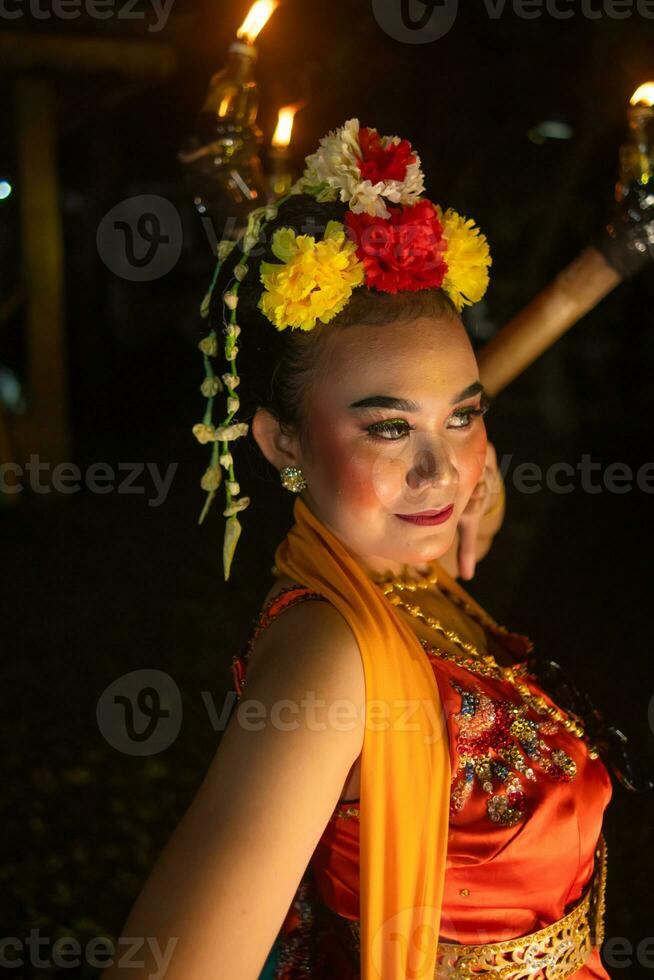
x,y
34,62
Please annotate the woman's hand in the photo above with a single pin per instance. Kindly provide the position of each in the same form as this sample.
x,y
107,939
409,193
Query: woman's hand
x,y
479,522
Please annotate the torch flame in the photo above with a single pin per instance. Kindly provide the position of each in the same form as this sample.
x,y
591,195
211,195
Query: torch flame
x,y
258,16
644,95
285,119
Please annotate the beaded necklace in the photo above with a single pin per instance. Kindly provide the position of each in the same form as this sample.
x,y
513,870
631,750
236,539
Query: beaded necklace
x,y
472,659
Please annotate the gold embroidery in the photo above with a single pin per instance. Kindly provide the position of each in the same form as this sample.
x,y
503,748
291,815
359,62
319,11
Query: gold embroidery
x,y
346,812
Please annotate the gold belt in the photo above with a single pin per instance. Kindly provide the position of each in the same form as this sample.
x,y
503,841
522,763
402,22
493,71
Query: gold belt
x,y
556,951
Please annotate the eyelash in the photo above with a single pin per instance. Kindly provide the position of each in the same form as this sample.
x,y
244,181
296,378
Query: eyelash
x,y
388,425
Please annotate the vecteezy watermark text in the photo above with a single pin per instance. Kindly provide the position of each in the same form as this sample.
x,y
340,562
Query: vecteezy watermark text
x,y
98,478
96,9
140,713
424,21
66,952
561,476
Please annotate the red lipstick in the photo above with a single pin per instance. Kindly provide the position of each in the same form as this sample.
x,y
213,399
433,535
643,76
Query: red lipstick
x,y
428,516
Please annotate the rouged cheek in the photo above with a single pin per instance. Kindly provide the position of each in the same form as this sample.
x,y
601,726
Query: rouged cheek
x,y
358,475
473,460
388,476
481,448
343,471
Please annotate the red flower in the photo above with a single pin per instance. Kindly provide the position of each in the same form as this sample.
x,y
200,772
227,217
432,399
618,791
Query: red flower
x,y
404,251
383,163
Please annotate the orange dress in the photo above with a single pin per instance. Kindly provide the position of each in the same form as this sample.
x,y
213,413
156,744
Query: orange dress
x,y
526,810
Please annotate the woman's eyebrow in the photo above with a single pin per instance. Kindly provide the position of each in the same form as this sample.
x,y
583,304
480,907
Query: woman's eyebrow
x,y
406,405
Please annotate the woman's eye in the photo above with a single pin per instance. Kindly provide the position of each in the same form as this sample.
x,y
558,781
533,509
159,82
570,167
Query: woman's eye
x,y
393,430
465,416
388,429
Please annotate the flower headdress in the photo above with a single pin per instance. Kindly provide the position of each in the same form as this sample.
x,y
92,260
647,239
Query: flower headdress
x,y
392,239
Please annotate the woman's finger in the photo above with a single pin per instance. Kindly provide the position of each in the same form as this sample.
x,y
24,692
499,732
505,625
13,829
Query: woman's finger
x,y
468,545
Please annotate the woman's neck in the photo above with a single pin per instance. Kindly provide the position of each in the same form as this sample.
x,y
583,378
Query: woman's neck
x,y
379,568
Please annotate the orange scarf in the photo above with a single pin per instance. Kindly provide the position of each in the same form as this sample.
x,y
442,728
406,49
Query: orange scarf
x,y
405,762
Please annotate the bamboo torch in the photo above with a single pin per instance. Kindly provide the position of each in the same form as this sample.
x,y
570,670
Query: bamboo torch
x,y
625,246
221,158
279,155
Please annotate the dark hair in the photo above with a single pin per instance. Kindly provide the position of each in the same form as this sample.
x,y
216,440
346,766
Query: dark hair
x,y
275,366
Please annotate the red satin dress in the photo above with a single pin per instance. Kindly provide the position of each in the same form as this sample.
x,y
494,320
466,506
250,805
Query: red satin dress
x,y
526,811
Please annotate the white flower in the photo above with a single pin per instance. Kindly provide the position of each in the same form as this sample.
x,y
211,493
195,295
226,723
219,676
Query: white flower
x,y
204,308
232,486
230,432
225,459
211,479
335,165
255,217
231,300
231,381
232,330
232,405
209,345
235,506
204,433
210,387
224,248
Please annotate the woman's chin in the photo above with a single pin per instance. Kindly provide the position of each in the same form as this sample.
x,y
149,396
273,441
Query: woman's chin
x,y
432,551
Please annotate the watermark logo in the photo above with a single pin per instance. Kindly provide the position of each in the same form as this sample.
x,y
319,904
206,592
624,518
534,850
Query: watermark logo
x,y
140,713
140,239
416,21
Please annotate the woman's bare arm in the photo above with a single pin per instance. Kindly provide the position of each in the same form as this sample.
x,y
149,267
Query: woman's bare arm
x,y
221,887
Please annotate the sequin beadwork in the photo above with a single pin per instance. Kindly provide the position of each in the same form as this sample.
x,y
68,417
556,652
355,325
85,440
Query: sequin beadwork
x,y
496,741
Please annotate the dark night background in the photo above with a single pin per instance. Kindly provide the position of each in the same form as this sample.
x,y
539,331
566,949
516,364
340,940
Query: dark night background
x,y
95,586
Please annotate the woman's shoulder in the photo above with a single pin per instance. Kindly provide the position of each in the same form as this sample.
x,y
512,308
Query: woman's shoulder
x,y
291,626
287,592
283,584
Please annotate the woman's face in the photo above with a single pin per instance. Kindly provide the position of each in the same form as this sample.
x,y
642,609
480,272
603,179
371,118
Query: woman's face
x,y
367,463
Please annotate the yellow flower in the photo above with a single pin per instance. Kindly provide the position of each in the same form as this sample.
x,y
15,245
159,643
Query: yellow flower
x,y
315,280
467,257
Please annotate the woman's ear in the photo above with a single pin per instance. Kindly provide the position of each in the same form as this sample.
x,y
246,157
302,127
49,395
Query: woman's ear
x,y
278,446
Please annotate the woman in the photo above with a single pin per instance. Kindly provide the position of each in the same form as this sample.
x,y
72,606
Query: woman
x,y
395,797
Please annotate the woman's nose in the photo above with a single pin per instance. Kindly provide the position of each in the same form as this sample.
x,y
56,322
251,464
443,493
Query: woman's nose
x,y
431,465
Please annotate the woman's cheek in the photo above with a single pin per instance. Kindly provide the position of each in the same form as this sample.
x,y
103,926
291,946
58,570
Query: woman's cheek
x,y
474,459
345,471
368,479
374,480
